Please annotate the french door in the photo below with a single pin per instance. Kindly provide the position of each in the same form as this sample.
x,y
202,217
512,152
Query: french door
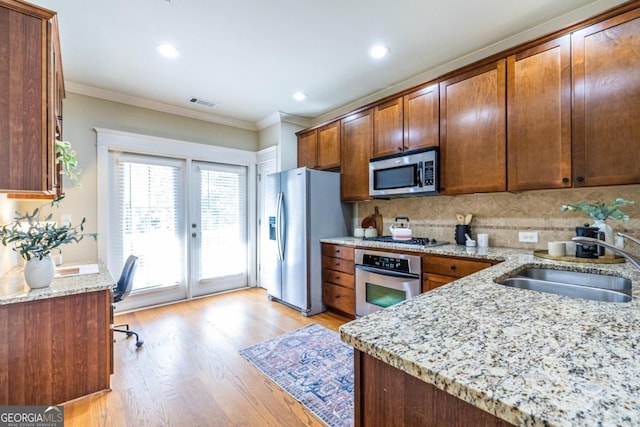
x,y
218,230
185,220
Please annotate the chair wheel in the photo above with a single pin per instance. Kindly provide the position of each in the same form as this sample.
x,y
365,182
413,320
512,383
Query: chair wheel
x,y
139,343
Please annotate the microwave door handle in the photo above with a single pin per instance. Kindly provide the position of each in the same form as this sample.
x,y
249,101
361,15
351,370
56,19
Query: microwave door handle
x,y
419,173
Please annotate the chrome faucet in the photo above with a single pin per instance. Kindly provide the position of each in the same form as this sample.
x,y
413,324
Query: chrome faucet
x,y
631,258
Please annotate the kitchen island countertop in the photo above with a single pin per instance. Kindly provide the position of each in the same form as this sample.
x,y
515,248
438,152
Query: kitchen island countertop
x,y
527,357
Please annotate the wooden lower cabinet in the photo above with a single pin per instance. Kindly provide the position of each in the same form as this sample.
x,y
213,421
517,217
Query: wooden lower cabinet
x,y
388,397
338,279
55,350
433,281
440,270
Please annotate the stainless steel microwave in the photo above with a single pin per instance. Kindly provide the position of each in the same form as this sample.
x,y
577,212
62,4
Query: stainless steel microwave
x,y
412,173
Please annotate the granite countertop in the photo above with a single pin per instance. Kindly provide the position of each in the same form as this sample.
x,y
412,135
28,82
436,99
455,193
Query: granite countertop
x,y
13,288
530,358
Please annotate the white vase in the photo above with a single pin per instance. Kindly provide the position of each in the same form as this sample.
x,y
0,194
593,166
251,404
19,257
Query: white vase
x,y
39,273
608,232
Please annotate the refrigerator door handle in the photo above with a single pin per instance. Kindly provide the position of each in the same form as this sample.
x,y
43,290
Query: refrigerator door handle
x,y
279,225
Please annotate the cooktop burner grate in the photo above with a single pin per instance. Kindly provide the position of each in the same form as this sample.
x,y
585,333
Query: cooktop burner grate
x,y
416,241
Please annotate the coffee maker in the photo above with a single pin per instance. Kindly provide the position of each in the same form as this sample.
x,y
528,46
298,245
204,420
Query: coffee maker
x,y
589,250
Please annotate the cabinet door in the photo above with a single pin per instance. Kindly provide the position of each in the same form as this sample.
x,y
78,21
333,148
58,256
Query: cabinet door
x,y
606,88
307,146
473,131
421,118
356,149
539,117
23,83
388,134
329,146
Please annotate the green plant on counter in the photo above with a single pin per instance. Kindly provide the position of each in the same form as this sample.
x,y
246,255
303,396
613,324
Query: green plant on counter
x,y
36,238
66,157
599,210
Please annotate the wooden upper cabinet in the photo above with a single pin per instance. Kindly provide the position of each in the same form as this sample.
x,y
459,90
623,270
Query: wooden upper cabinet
x,y
422,118
539,117
473,131
320,148
356,149
606,88
329,146
307,149
388,132
29,67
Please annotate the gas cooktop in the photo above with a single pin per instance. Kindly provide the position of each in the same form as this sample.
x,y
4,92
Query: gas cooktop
x,y
415,241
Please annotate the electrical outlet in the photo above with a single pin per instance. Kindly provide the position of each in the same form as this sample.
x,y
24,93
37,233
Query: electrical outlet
x,y
528,236
65,219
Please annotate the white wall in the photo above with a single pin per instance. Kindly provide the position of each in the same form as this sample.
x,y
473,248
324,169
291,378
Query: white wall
x,y
8,257
82,114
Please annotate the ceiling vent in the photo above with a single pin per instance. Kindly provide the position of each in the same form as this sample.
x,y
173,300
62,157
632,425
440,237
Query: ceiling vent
x,y
201,101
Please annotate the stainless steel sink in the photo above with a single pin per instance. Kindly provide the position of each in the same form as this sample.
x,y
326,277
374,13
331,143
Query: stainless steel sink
x,y
597,287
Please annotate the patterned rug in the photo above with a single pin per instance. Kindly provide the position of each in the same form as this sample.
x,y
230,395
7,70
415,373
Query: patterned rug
x,y
313,366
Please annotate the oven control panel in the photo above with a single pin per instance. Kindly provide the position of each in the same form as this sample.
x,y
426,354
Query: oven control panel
x,y
386,262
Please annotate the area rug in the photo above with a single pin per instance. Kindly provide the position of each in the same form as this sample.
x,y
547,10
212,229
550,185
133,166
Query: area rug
x,y
313,366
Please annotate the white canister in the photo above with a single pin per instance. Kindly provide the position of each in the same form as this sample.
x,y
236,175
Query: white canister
x,y
557,248
571,247
358,232
370,232
483,240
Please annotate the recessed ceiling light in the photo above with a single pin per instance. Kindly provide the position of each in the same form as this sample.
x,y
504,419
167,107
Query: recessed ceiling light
x,y
378,51
299,96
167,50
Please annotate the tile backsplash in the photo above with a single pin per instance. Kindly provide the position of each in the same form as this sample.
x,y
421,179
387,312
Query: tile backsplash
x,y
503,215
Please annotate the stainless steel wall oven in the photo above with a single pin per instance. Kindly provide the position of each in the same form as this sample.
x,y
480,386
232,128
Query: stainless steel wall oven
x,y
384,279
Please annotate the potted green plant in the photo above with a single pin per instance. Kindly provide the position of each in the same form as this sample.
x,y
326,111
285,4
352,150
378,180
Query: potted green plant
x,y
600,212
35,238
67,158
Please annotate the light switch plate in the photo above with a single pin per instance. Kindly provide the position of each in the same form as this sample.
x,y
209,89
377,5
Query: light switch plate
x,y
65,219
528,236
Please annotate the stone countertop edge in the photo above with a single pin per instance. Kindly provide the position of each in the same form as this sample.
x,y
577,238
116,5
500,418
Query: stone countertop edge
x,y
527,357
13,288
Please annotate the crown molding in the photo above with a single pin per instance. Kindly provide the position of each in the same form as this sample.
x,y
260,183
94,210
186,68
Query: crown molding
x,y
155,105
279,117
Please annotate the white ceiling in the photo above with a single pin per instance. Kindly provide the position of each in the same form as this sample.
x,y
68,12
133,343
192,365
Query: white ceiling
x,y
250,56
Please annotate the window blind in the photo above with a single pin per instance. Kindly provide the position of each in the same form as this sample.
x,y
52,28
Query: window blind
x,y
148,219
223,222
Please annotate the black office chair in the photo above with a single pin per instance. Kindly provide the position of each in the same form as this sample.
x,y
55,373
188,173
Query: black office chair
x,y
123,288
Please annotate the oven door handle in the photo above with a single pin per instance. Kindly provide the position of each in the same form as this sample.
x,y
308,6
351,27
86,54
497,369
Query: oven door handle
x,y
387,272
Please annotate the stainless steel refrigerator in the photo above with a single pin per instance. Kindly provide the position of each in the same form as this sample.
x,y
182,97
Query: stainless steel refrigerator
x,y
302,206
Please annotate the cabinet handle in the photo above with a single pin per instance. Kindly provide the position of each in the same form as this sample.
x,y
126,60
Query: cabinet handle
x,y
399,148
580,179
453,267
565,179
337,278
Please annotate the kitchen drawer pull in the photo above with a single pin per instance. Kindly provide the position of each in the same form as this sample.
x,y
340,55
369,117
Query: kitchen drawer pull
x,y
453,267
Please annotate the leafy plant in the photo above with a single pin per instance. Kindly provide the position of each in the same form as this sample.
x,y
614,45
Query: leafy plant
x,y
600,211
36,238
66,157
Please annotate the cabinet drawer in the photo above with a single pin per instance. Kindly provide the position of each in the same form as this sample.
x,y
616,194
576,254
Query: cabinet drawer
x,y
432,281
337,251
455,267
340,298
337,264
338,278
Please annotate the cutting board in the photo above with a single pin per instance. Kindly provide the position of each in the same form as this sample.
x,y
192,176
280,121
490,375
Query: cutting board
x,y
377,217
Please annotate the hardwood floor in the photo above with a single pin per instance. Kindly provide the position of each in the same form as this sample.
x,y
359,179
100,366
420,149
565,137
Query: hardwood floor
x,y
189,371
